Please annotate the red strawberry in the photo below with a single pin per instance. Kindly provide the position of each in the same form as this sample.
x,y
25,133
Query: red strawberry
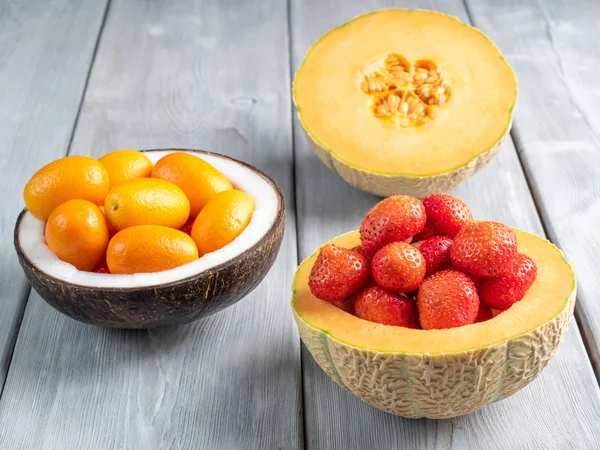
x,y
436,252
377,304
360,249
503,291
446,215
337,273
394,219
102,268
187,227
484,249
346,305
485,313
412,295
398,267
416,244
447,299
425,233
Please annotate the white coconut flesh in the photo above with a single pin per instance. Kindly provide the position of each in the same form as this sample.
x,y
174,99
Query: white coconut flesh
x,y
33,243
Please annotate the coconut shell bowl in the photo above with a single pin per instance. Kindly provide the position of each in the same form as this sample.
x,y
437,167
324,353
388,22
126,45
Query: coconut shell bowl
x,y
181,295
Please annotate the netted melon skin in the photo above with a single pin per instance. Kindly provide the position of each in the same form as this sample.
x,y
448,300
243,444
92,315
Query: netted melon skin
x,y
387,185
438,386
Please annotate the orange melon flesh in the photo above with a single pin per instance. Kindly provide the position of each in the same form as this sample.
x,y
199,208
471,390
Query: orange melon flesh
x,y
338,117
548,297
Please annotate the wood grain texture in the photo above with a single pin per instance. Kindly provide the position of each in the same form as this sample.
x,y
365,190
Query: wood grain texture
x,y
553,47
45,52
189,74
560,409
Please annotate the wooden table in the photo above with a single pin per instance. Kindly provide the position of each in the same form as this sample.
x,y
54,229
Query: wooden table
x,y
90,76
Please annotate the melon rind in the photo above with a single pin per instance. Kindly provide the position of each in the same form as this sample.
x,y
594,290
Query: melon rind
x,y
385,185
437,385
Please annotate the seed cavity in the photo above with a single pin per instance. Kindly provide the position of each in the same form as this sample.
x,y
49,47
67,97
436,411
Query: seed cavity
x,y
403,92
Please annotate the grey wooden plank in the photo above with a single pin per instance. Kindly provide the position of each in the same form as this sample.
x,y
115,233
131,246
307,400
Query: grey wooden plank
x,y
46,49
559,410
196,74
553,47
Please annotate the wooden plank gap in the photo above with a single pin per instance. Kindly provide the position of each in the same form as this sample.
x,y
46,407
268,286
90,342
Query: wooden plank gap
x,y
42,65
301,384
585,329
14,334
583,324
16,326
88,75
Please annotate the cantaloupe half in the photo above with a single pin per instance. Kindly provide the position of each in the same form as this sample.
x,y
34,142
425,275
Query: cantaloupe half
x,y
405,101
441,373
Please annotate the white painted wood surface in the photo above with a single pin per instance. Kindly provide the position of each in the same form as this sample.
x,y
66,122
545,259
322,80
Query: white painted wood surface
x,y
46,49
561,409
197,74
216,75
554,48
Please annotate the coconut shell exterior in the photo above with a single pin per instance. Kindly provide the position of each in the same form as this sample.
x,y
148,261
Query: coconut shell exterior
x,y
174,303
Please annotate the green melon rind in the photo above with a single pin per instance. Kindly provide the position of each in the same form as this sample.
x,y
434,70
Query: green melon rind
x,y
387,184
438,385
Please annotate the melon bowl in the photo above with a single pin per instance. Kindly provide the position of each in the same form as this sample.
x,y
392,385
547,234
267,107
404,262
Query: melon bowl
x,y
390,103
176,296
440,374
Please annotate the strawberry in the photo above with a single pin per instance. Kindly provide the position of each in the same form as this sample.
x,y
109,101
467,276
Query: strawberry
x,y
446,215
377,304
485,313
417,244
337,273
360,249
436,252
447,299
346,305
425,233
484,249
412,295
102,268
394,219
477,282
503,291
398,267
187,227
